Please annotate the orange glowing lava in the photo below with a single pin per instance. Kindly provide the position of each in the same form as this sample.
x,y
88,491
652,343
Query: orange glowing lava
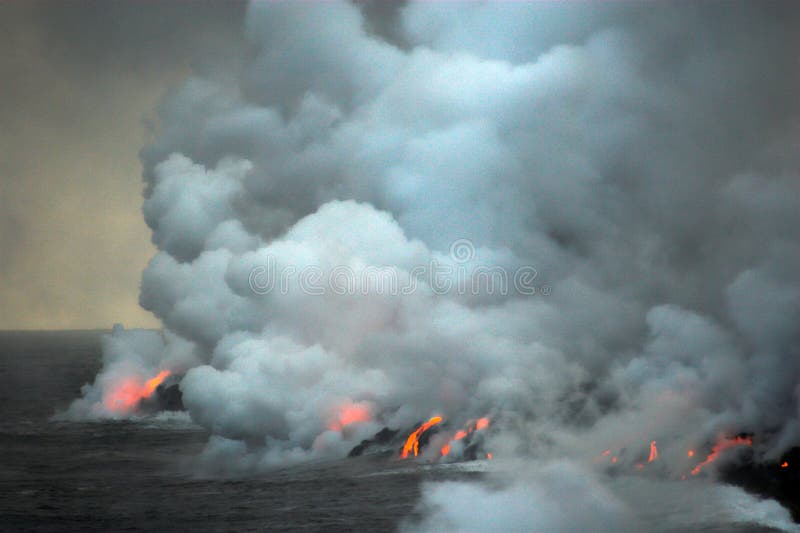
x,y
653,452
489,455
721,445
477,425
127,394
785,464
350,414
412,442
690,453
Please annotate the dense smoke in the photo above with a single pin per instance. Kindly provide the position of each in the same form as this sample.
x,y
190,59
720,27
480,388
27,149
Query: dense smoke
x,y
632,168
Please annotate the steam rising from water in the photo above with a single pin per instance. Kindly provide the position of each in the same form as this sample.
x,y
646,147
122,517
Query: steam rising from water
x,y
641,158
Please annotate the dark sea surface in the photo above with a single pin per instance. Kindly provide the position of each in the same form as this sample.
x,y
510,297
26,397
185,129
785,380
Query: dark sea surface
x,y
132,476
137,475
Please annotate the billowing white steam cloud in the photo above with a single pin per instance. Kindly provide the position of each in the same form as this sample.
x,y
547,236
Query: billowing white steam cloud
x,y
641,159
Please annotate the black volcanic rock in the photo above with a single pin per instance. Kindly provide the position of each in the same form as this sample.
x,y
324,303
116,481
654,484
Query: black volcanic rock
x,y
381,438
169,398
771,480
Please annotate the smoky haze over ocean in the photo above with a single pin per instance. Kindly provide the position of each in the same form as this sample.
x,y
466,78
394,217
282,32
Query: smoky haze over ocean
x,y
630,168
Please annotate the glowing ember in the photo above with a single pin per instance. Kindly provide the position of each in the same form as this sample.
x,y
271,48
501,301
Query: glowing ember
x,y
127,394
614,459
489,455
653,452
721,445
606,452
412,442
350,414
785,464
482,423
690,453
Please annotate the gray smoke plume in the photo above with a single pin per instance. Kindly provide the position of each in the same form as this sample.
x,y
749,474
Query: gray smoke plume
x,y
636,163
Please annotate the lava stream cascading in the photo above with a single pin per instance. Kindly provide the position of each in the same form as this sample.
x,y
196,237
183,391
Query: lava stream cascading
x,y
721,445
412,442
477,425
653,452
126,394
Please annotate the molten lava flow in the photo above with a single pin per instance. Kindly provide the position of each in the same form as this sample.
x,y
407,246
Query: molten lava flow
x,y
152,384
350,414
653,452
785,464
127,394
721,445
412,442
478,425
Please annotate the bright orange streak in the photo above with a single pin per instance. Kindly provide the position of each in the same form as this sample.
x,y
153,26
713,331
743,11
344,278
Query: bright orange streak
x,y
445,449
690,453
721,445
482,423
412,442
127,394
151,384
785,464
653,452
460,434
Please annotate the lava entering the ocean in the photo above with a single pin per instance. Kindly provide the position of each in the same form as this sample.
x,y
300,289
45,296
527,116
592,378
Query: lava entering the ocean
x,y
412,442
480,424
721,445
126,394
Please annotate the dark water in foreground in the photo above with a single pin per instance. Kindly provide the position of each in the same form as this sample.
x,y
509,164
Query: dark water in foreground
x,y
130,476
136,476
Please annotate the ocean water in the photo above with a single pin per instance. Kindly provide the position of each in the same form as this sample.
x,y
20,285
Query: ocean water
x,y
132,476
136,475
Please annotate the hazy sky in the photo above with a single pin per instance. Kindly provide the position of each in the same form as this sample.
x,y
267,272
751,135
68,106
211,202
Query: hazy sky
x,y
80,81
